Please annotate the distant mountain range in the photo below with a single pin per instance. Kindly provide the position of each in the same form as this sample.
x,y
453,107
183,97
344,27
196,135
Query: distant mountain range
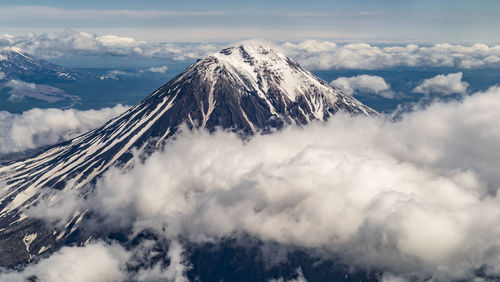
x,y
17,64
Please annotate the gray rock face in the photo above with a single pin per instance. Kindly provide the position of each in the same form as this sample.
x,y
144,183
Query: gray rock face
x,y
244,89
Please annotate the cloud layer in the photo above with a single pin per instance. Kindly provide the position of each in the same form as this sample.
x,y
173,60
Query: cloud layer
x,y
443,84
322,55
364,84
314,55
38,127
414,198
68,43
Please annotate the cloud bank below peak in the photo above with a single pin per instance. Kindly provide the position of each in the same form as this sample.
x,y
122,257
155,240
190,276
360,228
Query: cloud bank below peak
x,y
415,197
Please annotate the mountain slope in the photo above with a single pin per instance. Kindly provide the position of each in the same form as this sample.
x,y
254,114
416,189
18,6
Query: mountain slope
x,y
244,89
16,64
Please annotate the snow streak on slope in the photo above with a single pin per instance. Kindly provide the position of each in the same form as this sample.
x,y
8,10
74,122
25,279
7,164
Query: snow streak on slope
x,y
85,154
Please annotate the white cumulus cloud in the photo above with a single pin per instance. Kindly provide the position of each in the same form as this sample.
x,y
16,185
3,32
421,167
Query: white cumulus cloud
x,y
443,84
38,127
364,83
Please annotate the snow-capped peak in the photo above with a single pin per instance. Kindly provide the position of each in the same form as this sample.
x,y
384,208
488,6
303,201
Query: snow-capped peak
x,y
254,63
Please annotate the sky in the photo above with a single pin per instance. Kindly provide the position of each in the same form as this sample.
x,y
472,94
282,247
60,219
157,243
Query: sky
x,y
453,21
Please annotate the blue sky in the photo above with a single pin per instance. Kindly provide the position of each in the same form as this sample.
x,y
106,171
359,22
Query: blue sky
x,y
455,21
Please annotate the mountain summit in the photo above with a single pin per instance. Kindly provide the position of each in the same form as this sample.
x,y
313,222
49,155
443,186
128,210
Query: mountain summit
x,y
246,89
255,88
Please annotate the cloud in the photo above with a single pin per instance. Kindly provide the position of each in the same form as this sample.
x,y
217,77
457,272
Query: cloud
x,y
95,262
105,261
312,54
364,84
39,127
416,197
20,89
321,55
115,74
387,277
51,13
69,42
443,84
161,69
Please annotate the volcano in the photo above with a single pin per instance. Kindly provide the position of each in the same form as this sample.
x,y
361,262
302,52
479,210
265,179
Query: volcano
x,y
245,89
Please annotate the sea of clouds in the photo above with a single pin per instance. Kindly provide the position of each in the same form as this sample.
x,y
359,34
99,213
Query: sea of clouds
x,y
312,54
414,198
324,55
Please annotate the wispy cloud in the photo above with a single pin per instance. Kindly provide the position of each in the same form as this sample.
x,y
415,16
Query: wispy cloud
x,y
321,14
115,74
160,69
52,13
18,90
